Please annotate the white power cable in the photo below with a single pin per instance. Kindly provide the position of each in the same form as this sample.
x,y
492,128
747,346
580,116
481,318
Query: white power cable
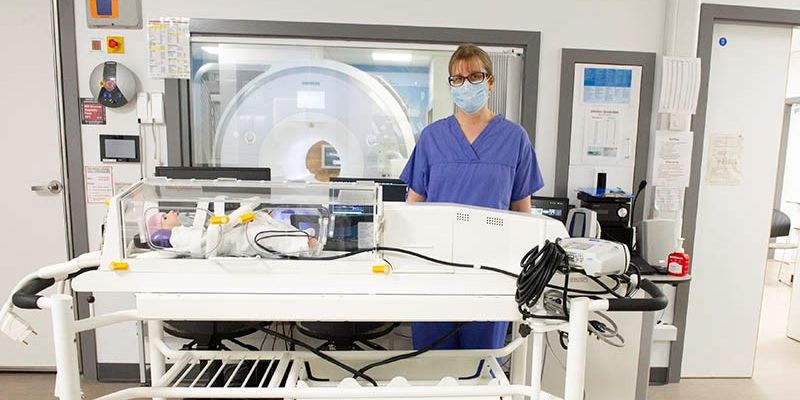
x,y
606,331
156,143
12,324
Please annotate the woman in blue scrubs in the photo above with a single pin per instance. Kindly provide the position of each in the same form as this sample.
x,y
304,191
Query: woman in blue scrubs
x,y
475,157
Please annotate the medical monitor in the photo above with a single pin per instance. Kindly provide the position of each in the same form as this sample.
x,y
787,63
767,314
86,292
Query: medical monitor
x,y
554,207
393,189
240,173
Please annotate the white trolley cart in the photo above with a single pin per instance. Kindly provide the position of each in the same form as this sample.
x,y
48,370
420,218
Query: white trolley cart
x,y
351,289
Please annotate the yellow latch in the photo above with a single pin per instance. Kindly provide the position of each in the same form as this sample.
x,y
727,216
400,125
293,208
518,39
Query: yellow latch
x,y
219,220
247,217
119,265
381,269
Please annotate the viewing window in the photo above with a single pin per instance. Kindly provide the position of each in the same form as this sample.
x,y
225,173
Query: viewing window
x,y
311,110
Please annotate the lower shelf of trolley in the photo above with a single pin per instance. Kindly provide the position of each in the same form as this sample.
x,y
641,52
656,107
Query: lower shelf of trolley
x,y
445,374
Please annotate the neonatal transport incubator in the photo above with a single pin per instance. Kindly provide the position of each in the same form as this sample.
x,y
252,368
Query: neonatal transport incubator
x,y
261,252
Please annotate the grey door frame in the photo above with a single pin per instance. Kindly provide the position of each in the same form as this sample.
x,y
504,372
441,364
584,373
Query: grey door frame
x,y
570,57
74,179
710,14
787,120
177,91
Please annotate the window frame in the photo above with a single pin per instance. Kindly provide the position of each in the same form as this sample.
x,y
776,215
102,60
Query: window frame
x,y
177,96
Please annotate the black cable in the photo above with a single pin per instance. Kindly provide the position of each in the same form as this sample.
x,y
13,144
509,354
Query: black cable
x,y
538,269
244,345
258,238
276,234
500,271
321,355
642,185
599,282
415,353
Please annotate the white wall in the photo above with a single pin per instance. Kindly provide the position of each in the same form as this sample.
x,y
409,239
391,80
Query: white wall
x,y
612,25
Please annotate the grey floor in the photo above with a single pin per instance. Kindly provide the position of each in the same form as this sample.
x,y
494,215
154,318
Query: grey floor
x,y
777,369
776,374
25,386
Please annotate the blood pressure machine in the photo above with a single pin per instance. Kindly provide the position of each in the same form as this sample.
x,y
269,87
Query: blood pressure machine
x,y
226,250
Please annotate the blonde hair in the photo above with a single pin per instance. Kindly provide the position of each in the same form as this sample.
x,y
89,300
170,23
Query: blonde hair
x,y
467,52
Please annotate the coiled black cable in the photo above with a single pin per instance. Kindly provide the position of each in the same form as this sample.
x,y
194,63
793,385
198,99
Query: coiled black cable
x,y
538,269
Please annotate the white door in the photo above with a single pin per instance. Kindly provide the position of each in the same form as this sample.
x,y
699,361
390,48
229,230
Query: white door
x,y
749,66
34,228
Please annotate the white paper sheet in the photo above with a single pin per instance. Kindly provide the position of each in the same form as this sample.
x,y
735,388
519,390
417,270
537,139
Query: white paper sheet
x,y
668,198
99,183
725,160
601,134
169,48
673,159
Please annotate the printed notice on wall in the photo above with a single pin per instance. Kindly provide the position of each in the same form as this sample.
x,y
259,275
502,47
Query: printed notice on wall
x,y
602,136
668,198
92,112
607,85
725,160
673,159
168,41
99,183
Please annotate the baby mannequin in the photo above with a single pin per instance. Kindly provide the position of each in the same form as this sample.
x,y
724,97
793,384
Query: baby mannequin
x,y
166,231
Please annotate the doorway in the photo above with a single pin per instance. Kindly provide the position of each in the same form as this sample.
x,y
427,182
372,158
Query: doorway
x,y
33,200
736,326
787,196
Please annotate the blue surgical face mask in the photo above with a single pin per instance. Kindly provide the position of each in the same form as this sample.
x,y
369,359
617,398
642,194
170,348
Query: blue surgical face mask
x,y
470,97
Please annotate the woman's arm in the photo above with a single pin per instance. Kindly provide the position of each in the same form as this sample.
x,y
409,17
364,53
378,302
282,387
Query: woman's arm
x,y
414,197
521,205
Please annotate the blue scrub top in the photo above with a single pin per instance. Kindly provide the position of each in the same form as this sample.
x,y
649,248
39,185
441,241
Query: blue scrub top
x,y
497,168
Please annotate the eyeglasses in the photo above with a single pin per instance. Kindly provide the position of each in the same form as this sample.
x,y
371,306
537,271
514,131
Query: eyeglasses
x,y
473,78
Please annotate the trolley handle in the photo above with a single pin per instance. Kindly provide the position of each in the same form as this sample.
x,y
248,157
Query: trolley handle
x,y
27,296
656,302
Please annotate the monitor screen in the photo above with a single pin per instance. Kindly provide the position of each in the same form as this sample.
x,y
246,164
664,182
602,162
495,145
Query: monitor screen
x,y
120,148
393,189
554,207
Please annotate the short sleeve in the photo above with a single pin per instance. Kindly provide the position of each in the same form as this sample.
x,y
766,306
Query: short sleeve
x,y
528,176
416,172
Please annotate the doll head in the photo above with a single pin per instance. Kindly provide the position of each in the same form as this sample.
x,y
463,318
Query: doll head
x,y
160,225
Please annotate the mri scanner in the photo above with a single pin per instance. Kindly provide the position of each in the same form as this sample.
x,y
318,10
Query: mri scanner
x,y
280,118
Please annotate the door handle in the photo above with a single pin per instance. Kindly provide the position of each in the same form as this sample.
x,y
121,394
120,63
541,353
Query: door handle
x,y
54,187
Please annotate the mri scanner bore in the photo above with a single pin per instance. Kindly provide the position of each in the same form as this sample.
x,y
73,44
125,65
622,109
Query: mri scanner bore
x,y
311,113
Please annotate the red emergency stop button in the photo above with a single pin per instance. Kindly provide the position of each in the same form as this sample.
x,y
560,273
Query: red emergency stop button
x,y
115,44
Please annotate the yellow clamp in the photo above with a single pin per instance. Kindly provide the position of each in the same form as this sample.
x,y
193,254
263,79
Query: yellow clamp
x,y
381,269
107,201
219,220
119,265
247,217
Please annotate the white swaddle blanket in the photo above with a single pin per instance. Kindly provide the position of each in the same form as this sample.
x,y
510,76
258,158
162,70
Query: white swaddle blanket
x,y
239,241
